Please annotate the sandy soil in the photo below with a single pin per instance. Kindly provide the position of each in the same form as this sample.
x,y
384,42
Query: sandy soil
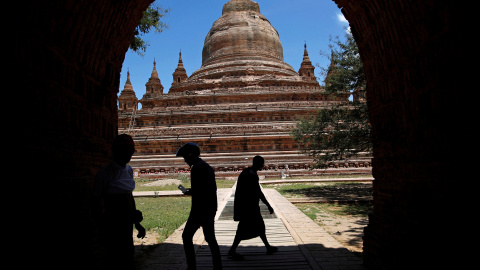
x,y
163,182
151,238
348,230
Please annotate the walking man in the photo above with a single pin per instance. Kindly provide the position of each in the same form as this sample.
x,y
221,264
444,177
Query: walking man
x,y
204,205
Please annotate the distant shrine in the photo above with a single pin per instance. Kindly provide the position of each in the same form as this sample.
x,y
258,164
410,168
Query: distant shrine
x,y
243,101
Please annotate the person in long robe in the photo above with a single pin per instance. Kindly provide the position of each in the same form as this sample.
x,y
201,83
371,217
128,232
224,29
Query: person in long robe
x,y
246,208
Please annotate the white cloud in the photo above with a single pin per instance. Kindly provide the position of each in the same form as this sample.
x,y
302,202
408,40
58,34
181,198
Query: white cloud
x,y
341,18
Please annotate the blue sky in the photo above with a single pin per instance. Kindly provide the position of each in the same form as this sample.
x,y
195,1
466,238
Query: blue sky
x,y
297,22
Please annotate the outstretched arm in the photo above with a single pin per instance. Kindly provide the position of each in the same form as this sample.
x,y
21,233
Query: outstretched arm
x,y
264,200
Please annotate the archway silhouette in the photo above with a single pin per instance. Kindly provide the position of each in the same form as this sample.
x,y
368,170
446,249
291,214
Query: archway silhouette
x,y
68,57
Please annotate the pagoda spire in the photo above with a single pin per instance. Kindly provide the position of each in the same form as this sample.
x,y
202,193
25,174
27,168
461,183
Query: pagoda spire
x,y
306,59
180,61
180,74
154,71
127,100
307,70
154,85
128,82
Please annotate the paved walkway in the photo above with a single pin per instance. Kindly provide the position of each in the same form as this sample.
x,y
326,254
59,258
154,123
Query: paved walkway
x,y
302,243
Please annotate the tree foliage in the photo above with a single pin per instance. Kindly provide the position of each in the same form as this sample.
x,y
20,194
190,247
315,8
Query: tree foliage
x,y
335,133
340,131
345,72
152,19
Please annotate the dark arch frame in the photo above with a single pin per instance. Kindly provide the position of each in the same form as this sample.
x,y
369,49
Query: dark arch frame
x,y
69,61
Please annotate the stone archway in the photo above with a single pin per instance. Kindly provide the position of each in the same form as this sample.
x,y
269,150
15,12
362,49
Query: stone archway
x,y
410,52
69,58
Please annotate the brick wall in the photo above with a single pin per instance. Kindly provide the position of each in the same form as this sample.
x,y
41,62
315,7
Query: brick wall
x,y
412,53
68,58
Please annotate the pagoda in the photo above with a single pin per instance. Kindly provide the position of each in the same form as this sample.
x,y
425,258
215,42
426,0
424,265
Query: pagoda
x,y
243,101
127,101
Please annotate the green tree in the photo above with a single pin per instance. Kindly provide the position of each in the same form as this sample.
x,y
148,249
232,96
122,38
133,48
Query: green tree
x,y
340,131
152,19
345,72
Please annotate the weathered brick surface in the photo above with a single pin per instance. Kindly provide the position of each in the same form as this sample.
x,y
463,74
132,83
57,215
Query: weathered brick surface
x,y
67,61
411,51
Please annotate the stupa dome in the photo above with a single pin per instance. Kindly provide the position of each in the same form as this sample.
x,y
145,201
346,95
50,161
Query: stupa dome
x,y
242,42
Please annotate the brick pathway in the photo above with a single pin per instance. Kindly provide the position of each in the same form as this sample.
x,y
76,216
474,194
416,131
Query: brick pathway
x,y
302,243
321,250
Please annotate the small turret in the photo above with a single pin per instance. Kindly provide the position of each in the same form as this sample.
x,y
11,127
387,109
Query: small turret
x,y
180,74
307,70
154,85
127,101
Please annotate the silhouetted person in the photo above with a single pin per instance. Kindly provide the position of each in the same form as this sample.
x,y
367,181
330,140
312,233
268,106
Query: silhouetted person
x,y
114,206
247,210
204,205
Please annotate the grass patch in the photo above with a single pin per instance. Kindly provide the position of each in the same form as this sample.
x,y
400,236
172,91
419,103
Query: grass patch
x,y
156,188
351,209
293,190
346,191
332,191
164,214
319,176
309,210
312,210
225,183
140,185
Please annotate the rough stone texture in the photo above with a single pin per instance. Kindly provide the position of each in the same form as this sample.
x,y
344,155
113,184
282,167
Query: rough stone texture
x,y
242,34
67,57
154,85
412,52
180,74
128,101
241,49
243,82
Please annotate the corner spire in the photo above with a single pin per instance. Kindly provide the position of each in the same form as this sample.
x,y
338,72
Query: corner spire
x,y
306,59
128,78
127,99
180,74
307,70
154,71
180,61
154,85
